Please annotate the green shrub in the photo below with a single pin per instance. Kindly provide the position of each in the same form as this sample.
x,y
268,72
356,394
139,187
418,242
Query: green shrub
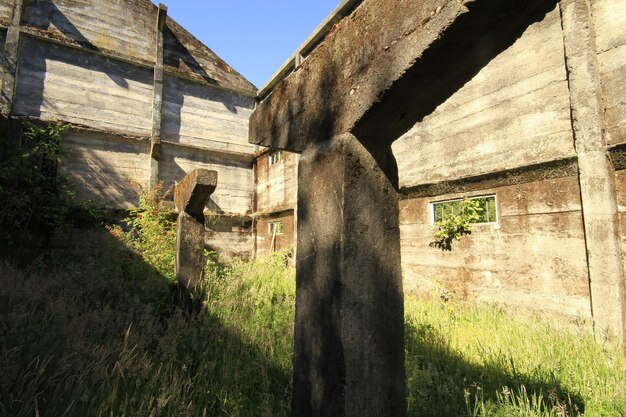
x,y
35,198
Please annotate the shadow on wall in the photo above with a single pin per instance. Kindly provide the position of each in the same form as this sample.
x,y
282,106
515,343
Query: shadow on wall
x,y
45,13
91,329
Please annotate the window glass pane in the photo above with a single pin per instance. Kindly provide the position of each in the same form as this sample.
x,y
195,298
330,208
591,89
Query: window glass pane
x,y
487,209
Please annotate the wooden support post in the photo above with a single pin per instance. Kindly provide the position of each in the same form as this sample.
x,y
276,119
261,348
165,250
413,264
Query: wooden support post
x,y
157,98
190,197
596,175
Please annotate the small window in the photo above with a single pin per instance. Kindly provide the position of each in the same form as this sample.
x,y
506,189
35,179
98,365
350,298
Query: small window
x,y
443,209
276,157
276,228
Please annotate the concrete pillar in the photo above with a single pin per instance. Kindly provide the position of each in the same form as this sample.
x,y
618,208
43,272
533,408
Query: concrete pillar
x,y
11,58
157,98
596,176
190,197
349,330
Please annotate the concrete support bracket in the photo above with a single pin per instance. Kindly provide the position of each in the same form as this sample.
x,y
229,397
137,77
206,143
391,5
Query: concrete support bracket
x,y
349,330
190,197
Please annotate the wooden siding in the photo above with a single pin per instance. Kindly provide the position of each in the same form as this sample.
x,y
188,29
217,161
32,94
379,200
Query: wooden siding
x,y
235,187
105,168
203,116
515,112
56,83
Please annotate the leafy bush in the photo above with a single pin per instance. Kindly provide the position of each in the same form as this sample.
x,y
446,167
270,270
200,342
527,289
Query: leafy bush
x,y
35,198
457,224
152,230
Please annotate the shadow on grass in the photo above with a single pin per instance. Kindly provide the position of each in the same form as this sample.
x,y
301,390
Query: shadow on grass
x,y
89,328
441,383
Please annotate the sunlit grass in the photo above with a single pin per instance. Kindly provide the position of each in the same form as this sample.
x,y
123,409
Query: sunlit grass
x,y
98,336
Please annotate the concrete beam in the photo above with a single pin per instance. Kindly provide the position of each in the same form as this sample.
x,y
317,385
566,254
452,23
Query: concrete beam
x,y
157,97
386,67
596,174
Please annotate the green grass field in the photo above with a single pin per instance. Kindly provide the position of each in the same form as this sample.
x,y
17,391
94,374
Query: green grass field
x,y
97,335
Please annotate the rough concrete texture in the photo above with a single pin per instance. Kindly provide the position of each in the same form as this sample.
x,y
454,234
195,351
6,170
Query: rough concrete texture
x,y
190,198
514,113
609,18
597,179
277,184
192,193
349,347
405,47
532,260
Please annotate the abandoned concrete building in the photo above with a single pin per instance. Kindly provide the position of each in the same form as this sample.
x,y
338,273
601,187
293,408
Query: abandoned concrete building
x,y
512,125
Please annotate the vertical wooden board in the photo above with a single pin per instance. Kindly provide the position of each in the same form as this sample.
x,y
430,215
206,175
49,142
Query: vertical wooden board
x,y
536,252
277,184
105,168
58,83
513,113
6,12
125,27
203,116
235,187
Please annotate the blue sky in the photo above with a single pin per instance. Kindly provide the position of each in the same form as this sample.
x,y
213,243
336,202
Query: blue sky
x,y
255,37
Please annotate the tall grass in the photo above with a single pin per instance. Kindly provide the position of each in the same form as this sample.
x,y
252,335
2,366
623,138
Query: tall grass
x,y
98,336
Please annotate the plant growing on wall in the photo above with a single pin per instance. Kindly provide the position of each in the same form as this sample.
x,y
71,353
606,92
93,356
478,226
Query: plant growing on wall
x,y
34,196
457,222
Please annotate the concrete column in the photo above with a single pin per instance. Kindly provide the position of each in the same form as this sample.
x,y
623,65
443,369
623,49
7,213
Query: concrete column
x,y
190,197
157,98
349,330
596,176
11,57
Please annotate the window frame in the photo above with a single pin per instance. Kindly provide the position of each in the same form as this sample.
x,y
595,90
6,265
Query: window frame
x,y
272,225
275,157
432,205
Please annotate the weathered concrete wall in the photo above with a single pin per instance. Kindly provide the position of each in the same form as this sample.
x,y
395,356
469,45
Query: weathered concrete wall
x,y
124,27
235,187
266,243
230,237
276,185
514,112
57,83
199,115
104,167
6,11
533,259
610,20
